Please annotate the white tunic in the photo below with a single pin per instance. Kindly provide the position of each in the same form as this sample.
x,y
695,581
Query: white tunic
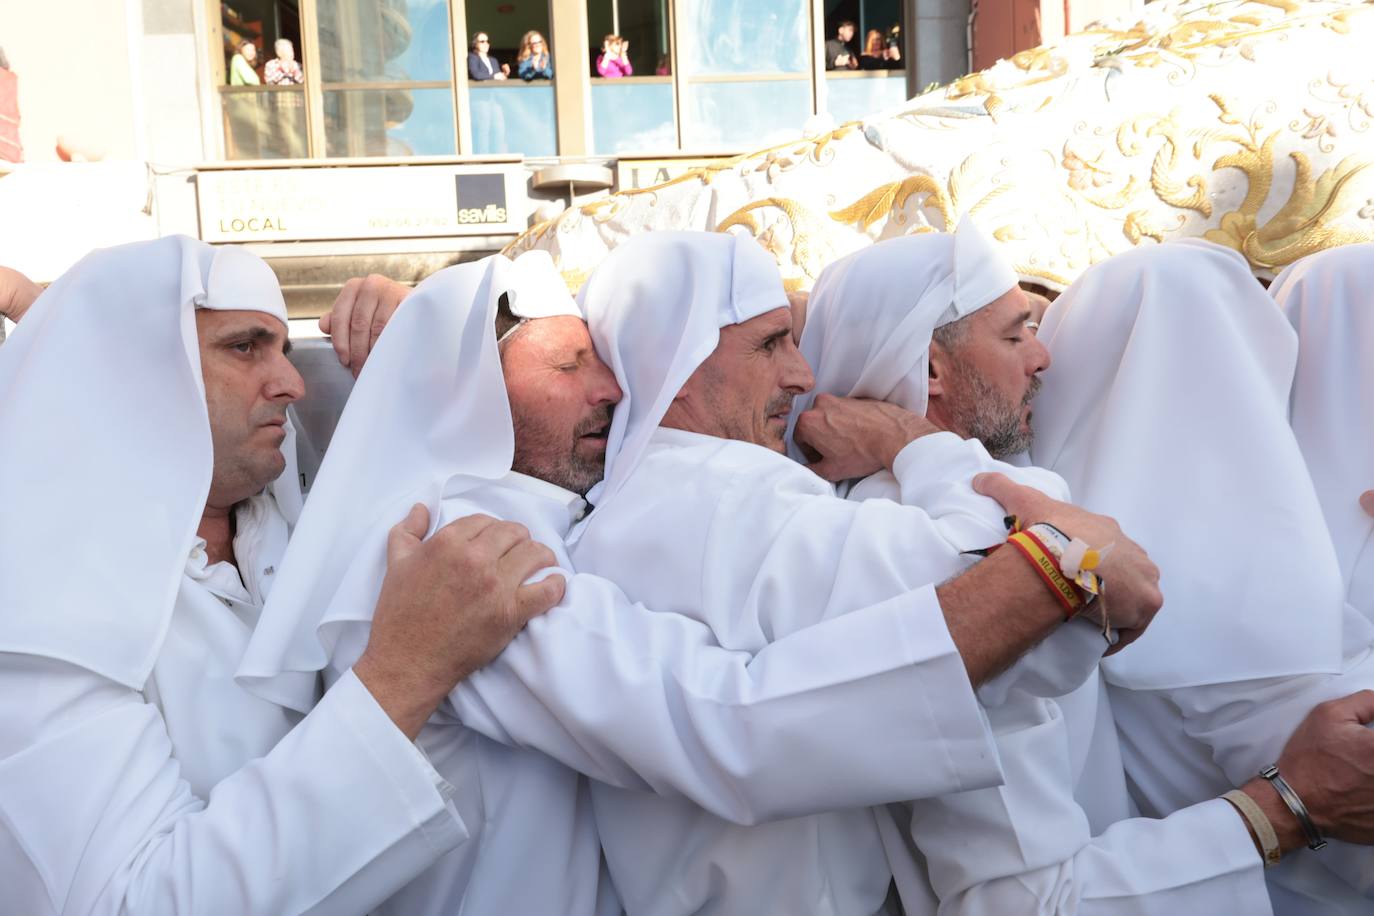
x,y
758,548
193,795
1059,836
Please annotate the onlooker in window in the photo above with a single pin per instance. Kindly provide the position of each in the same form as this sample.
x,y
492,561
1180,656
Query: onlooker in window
x,y
665,66
243,66
481,65
614,60
283,70
533,62
880,52
838,54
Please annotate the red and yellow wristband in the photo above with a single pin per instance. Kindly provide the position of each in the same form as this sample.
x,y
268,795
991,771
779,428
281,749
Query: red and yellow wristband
x,y
1047,565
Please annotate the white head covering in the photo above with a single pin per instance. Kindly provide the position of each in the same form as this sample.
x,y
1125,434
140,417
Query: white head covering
x,y
428,418
871,315
1166,408
106,449
655,308
1329,298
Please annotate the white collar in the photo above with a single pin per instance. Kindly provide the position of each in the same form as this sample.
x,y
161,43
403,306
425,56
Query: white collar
x,y
575,505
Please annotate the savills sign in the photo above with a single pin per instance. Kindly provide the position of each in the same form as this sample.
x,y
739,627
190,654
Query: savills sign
x,y
360,202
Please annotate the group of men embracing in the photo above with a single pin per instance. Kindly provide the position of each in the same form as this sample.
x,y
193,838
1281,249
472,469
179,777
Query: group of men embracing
x,y
680,598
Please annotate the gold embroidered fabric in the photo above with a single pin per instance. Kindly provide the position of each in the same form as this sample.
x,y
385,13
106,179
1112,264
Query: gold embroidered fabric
x,y
1246,123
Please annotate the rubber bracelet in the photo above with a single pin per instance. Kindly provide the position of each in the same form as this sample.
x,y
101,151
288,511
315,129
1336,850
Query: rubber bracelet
x,y
1290,798
1260,826
1034,550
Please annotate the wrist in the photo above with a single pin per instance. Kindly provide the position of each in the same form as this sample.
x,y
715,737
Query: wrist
x,y
903,429
406,700
1286,825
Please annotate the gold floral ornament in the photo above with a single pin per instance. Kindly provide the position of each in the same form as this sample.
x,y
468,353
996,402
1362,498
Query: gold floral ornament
x,y
1249,123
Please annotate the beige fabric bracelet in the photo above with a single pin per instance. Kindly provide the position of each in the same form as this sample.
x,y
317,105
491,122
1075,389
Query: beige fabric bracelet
x,y
1259,824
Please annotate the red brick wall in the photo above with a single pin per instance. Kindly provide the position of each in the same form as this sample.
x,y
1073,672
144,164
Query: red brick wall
x,y
10,149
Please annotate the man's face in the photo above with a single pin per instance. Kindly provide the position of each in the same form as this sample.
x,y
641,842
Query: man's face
x,y
561,396
744,389
248,384
846,33
981,388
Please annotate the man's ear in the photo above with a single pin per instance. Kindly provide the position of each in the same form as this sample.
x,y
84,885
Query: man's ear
x,y
938,361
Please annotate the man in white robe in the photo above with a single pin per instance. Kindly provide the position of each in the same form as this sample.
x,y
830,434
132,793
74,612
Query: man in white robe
x,y
1051,837
135,776
700,514
642,700
1199,459
1328,299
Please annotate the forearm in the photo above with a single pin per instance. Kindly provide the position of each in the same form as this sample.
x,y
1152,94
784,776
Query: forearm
x,y
1198,860
649,701
997,611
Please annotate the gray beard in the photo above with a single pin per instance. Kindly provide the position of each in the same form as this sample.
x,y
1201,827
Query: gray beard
x,y
560,464
988,417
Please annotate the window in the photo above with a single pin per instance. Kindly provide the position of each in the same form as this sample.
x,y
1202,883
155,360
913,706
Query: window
x,y
634,112
387,77
262,75
743,56
865,70
511,108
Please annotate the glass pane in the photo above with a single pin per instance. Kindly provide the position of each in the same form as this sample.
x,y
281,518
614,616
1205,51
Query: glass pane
x,y
264,124
506,27
777,110
643,27
513,117
744,36
863,34
389,122
372,40
851,98
630,116
256,33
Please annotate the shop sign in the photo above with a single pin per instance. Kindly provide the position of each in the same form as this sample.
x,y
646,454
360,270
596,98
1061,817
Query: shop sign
x,y
360,202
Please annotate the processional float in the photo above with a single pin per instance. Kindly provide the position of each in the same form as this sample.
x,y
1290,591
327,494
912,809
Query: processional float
x,y
1246,123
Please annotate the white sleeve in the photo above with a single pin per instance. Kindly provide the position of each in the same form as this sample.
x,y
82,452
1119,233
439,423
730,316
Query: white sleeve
x,y
1026,847
342,813
935,473
842,714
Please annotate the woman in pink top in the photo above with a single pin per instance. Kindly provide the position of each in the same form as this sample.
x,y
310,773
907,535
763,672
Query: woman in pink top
x,y
614,59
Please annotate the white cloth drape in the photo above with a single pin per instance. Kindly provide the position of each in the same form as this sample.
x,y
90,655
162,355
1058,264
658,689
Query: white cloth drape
x,y
1329,298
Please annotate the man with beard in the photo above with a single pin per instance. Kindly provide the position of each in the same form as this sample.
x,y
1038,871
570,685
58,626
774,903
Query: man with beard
x,y
146,503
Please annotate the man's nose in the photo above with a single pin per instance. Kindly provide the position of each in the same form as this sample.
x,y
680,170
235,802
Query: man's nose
x,y
286,383
1039,356
797,377
604,389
